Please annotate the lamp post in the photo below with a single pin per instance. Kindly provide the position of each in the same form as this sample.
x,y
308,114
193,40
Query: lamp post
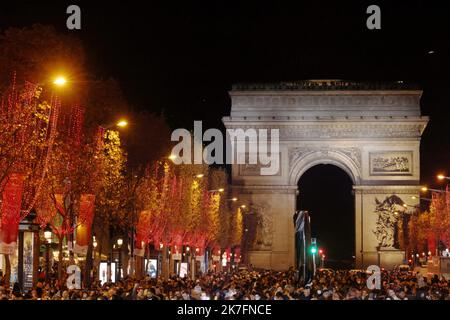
x,y
94,246
119,245
48,241
119,124
425,189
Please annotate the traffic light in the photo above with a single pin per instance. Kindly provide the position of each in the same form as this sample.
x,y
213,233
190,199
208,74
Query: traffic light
x,y
313,249
320,251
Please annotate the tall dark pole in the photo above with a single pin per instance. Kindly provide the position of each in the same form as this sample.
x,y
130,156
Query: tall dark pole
x,y
20,260
120,264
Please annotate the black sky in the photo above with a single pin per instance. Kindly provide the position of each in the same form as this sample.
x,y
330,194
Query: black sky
x,y
181,58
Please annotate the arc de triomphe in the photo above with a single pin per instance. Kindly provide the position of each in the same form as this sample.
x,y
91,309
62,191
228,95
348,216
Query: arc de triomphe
x,y
370,130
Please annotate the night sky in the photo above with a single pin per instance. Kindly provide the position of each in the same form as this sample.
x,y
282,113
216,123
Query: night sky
x,y
181,59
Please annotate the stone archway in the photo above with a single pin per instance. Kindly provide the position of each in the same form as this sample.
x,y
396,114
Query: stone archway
x,y
302,159
326,191
371,131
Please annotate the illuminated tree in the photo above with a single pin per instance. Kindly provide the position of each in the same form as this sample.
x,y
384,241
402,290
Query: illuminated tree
x,y
72,171
237,227
433,226
27,131
218,206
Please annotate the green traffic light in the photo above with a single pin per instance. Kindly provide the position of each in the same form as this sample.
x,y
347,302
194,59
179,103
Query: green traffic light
x,y
313,250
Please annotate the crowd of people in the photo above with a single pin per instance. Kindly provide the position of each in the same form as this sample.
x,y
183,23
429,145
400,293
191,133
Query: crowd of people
x,y
248,285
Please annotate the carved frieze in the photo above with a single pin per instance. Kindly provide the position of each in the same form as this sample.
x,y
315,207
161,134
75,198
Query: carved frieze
x,y
353,153
405,100
391,163
340,130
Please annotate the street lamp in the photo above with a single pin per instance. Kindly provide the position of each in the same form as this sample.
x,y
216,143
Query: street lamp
x,y
122,123
94,242
119,245
425,189
420,198
442,177
200,175
93,266
60,81
48,241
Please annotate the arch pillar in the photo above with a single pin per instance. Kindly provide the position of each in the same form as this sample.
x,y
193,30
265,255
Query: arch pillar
x,y
273,206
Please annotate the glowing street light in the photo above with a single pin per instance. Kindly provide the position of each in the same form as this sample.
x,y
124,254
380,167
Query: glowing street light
x,y
172,157
442,177
217,190
60,81
233,199
122,123
425,189
243,206
425,199
200,175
